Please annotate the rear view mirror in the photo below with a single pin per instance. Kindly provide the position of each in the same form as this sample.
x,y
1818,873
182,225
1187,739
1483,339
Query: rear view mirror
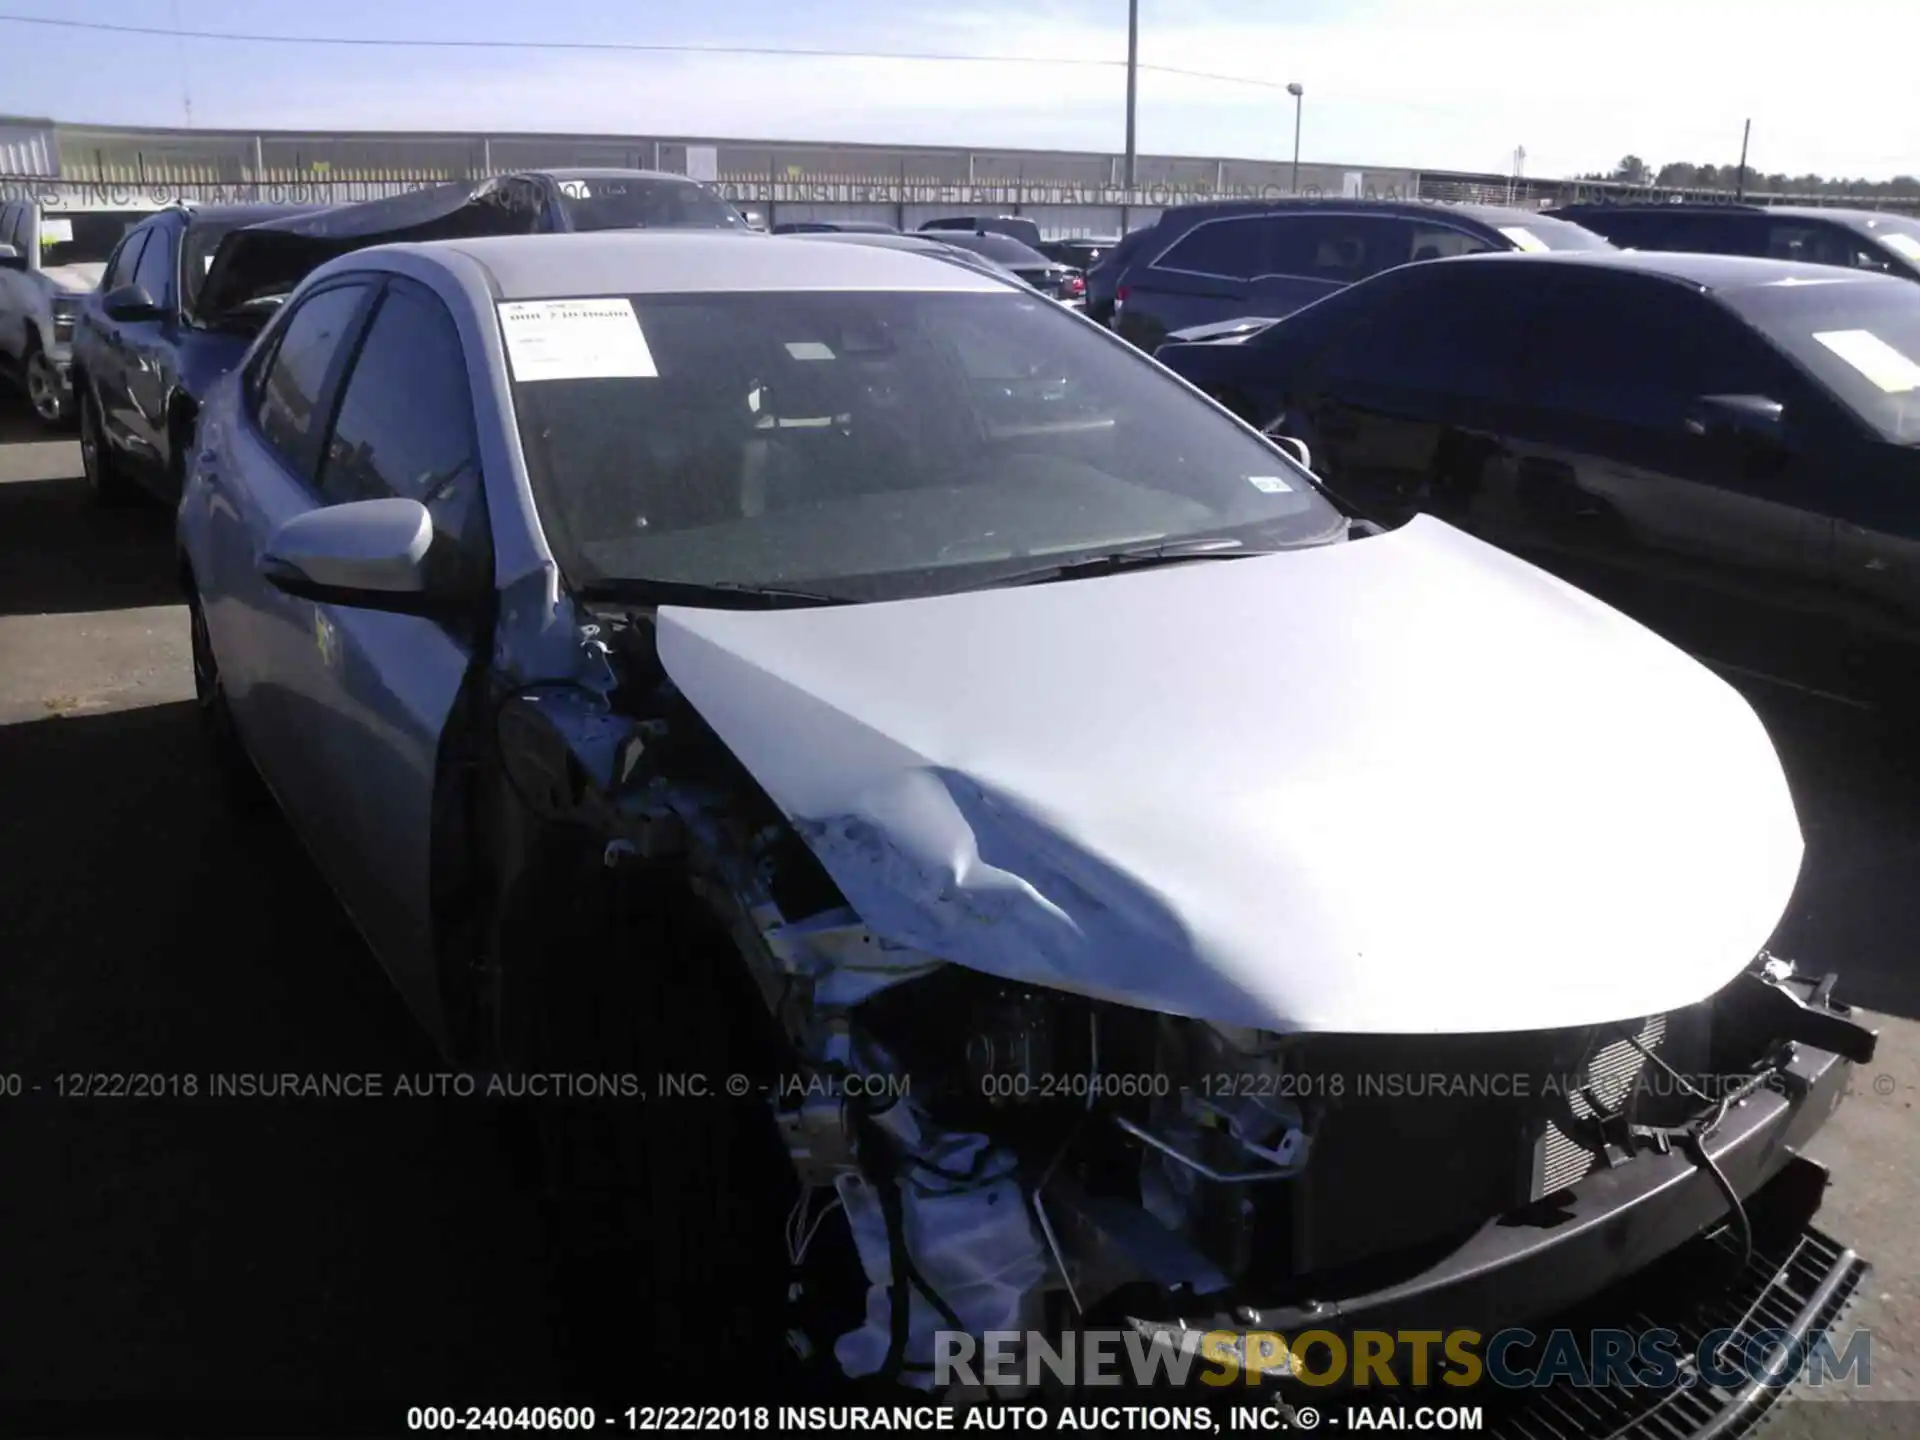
x,y
130,303
366,554
1752,417
11,259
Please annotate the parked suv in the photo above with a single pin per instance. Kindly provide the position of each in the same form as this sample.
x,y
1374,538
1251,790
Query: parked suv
x,y
1272,260
51,255
1857,239
1026,231
151,339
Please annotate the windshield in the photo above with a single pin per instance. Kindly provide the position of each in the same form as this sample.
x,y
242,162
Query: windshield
x,y
197,251
635,202
1001,249
1860,337
83,237
1899,238
872,445
1543,232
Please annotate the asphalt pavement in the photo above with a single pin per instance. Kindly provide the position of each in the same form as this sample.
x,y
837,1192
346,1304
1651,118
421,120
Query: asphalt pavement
x,y
310,1258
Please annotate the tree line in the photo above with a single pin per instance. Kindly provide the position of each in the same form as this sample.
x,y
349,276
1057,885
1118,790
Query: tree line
x,y
1681,175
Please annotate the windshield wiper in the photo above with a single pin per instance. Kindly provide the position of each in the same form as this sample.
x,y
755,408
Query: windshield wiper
x,y
1135,557
733,594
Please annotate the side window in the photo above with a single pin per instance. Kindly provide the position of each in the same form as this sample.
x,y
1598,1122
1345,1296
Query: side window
x,y
1230,248
1639,353
121,269
289,410
8,215
1823,244
1447,331
1340,248
405,424
1627,229
1437,242
156,268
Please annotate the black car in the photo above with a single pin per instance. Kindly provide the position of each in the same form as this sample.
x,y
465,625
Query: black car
x,y
835,227
1272,260
919,244
147,345
1856,239
1726,447
1049,277
1019,227
1082,252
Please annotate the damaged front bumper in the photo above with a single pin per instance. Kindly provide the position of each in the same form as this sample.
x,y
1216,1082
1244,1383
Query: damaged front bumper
x,y
1613,1224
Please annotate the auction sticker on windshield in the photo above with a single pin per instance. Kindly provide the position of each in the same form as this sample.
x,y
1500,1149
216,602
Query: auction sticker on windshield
x,y
575,340
1524,239
1888,368
1901,244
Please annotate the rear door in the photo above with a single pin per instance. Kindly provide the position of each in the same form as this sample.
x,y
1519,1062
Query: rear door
x,y
146,345
271,647
1613,483
110,361
1405,410
1309,256
1205,275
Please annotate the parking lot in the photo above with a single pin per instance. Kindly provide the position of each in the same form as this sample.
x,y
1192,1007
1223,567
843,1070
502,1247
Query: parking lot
x,y
323,1255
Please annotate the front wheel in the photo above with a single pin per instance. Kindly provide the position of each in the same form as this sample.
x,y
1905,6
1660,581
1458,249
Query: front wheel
x,y
105,479
612,1020
46,392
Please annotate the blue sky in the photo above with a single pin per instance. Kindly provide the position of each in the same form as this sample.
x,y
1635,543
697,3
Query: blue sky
x,y
1389,82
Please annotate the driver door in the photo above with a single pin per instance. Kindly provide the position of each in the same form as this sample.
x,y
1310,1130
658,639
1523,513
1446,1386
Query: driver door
x,y
364,694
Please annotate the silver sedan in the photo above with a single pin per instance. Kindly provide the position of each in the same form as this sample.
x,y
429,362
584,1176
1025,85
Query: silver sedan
x,y
714,669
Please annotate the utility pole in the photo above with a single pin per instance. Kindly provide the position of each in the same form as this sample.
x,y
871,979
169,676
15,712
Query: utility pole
x,y
1133,84
1740,180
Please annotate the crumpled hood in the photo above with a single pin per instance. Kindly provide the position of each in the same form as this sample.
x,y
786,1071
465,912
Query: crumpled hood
x,y
76,279
1407,784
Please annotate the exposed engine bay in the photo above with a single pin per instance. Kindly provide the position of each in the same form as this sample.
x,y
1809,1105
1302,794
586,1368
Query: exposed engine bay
x,y
1014,1156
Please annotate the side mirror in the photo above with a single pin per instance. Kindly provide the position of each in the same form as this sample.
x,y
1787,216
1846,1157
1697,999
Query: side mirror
x,y
366,554
1296,448
11,259
1751,417
130,302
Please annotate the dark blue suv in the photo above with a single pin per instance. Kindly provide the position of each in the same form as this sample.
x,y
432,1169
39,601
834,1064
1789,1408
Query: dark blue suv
x,y
1200,265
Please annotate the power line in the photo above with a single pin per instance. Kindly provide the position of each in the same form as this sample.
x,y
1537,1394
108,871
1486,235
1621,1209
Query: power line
x,y
636,47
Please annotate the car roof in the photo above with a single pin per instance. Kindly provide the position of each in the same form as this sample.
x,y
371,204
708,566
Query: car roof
x,y
1854,219
1711,273
607,172
1485,214
1659,207
675,262
245,214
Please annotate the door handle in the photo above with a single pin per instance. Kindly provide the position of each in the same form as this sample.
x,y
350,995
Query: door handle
x,y
1538,470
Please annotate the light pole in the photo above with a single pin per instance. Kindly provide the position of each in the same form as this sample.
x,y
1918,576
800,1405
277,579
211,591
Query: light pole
x,y
1297,91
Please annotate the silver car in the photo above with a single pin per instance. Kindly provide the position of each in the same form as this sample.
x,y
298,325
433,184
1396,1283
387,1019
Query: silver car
x,y
901,760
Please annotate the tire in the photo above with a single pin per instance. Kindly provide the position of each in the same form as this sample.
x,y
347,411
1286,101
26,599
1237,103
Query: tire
x,y
676,1201
244,792
52,405
106,481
